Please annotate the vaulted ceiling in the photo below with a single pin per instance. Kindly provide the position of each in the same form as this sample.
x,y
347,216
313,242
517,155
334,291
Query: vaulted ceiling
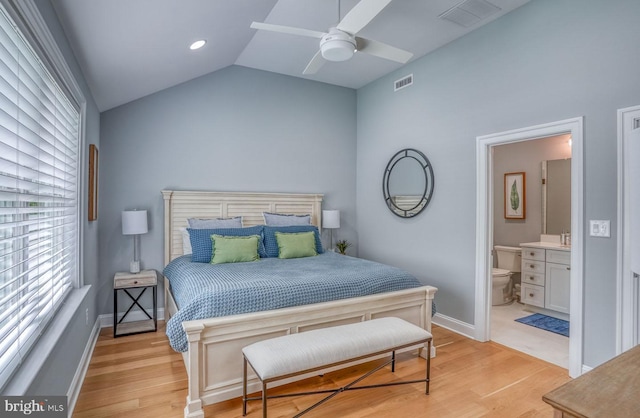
x,y
128,49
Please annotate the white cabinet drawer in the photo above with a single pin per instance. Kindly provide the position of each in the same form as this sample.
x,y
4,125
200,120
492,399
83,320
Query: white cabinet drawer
x,y
532,266
532,278
532,295
530,253
559,257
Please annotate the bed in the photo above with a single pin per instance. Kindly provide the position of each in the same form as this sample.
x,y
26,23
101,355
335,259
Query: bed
x,y
212,345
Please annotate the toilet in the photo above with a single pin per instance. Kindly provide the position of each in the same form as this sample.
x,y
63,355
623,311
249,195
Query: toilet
x,y
509,261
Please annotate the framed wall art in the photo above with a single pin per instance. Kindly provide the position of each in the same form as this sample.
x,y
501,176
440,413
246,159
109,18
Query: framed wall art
x,y
93,182
514,196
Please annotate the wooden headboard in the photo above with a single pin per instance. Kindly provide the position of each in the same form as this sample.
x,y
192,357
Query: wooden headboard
x,y
181,205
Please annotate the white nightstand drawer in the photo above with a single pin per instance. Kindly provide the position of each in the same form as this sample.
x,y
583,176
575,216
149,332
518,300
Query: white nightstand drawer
x,y
144,278
530,253
532,266
532,295
533,278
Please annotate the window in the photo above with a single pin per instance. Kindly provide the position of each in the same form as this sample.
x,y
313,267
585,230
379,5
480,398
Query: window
x,y
39,216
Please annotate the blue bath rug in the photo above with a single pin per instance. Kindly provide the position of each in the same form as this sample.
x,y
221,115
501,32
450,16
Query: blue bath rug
x,y
547,323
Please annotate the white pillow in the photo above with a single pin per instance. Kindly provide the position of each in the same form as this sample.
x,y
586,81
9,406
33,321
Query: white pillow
x,y
283,219
213,223
186,241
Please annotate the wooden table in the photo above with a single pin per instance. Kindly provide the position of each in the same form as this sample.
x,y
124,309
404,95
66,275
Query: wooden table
x,y
610,390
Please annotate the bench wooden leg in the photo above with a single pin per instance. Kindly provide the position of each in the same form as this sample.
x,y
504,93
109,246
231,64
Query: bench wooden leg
x,y
428,367
244,387
264,400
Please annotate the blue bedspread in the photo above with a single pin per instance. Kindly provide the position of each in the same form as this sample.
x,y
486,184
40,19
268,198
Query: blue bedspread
x,y
204,290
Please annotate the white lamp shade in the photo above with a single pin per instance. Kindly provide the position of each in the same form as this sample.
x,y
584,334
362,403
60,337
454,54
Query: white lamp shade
x,y
331,219
134,222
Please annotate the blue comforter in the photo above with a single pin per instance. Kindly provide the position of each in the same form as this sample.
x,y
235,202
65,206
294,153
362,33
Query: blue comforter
x,y
204,290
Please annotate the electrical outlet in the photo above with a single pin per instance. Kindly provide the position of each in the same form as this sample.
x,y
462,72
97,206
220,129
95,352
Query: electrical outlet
x,y
86,316
600,229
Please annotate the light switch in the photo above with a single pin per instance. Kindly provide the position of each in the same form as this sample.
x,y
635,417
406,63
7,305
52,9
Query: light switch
x,y
600,228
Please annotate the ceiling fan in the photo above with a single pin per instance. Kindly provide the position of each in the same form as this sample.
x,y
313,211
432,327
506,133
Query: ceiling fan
x,y
341,42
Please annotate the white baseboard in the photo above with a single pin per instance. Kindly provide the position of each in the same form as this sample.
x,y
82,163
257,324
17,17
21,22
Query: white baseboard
x,y
106,320
81,371
454,325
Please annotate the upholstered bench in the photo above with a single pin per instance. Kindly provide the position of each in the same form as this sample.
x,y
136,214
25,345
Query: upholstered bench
x,y
294,354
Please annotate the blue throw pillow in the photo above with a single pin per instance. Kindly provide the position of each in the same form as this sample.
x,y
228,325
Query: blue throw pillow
x,y
271,244
202,247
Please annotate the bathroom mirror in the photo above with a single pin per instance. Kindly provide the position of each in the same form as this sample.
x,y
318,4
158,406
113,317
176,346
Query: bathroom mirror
x,y
556,196
408,183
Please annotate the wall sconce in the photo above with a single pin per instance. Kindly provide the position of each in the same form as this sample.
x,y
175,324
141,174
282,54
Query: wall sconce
x,y
331,221
134,222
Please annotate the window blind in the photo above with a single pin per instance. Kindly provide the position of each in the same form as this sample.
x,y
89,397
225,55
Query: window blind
x,y
39,158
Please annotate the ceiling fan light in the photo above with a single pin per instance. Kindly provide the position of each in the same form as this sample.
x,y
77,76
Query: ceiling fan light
x,y
337,45
337,50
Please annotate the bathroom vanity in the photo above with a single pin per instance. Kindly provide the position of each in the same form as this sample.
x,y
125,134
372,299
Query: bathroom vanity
x,y
546,277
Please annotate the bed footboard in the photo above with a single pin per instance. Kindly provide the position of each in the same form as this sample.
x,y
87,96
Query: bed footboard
x,y
214,359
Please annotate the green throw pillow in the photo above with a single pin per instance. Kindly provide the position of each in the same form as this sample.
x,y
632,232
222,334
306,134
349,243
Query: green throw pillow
x,y
233,249
296,245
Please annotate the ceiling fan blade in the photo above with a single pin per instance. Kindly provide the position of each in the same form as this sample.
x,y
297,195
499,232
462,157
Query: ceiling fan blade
x,y
382,50
361,14
287,29
315,64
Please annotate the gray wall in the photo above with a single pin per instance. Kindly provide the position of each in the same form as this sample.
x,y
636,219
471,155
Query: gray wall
x,y
524,156
546,61
237,129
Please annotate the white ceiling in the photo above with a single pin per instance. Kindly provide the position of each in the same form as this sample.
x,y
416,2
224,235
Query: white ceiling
x,y
128,49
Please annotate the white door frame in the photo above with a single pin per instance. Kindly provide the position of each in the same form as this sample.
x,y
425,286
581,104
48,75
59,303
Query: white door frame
x,y
626,314
484,227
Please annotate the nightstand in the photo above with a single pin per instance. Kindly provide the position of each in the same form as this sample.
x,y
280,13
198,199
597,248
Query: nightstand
x,y
125,282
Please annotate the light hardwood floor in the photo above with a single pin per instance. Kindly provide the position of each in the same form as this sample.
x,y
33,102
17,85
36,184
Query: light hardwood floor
x,y
141,376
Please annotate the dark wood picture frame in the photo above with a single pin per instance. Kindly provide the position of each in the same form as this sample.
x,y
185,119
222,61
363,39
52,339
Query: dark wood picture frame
x,y
93,182
515,197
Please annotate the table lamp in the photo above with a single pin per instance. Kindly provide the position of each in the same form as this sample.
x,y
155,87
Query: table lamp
x,y
331,221
134,222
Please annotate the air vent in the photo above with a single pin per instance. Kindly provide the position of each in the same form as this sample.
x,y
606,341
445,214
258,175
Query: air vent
x,y
403,82
470,12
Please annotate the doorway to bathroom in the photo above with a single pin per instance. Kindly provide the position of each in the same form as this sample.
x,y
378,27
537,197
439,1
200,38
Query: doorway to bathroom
x,y
545,167
514,229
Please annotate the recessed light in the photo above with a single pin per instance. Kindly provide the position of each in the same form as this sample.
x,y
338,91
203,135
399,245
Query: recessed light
x,y
198,44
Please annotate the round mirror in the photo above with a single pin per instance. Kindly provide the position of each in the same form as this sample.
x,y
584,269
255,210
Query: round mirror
x,y
408,183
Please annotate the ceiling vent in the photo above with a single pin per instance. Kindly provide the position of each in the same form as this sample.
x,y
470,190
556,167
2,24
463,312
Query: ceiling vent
x,y
470,12
403,82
